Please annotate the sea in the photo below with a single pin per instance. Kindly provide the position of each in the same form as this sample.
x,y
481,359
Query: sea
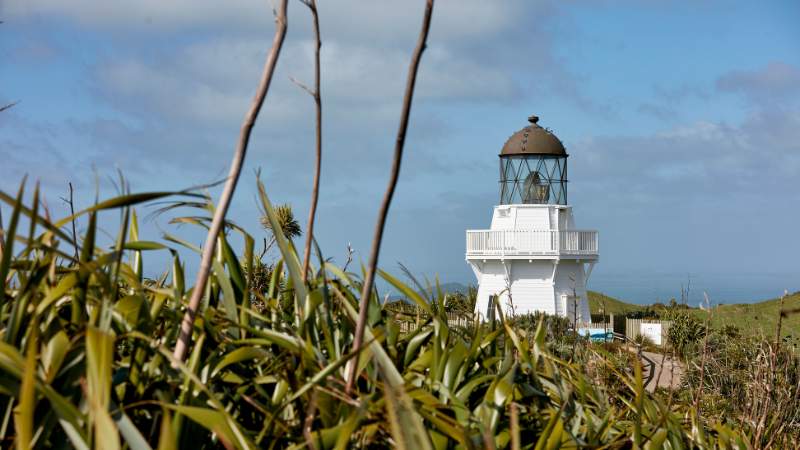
x,y
646,288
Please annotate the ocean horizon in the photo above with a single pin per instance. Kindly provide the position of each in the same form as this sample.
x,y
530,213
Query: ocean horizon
x,y
645,288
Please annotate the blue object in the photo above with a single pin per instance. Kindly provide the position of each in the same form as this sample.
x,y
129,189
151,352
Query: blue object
x,y
596,334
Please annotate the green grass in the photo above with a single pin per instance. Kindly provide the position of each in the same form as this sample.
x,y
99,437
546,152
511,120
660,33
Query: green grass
x,y
753,319
757,318
599,301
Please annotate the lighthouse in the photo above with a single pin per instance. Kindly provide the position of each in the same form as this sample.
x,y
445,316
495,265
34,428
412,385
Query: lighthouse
x,y
532,257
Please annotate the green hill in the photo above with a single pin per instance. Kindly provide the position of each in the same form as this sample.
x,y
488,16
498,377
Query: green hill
x,y
603,304
757,318
750,318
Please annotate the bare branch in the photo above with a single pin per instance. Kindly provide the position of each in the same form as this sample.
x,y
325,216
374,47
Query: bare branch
x,y
230,185
780,321
387,198
312,5
350,252
302,86
8,106
309,422
72,214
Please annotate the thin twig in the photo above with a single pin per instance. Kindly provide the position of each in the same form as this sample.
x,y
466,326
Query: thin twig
x,y
387,198
312,5
8,106
309,422
72,214
780,321
699,390
230,185
264,251
349,257
302,86
2,235
515,434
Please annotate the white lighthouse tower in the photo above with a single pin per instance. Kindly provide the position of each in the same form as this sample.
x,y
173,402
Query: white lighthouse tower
x,y
533,258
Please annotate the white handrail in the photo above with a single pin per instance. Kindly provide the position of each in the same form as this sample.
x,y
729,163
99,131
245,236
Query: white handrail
x,y
532,242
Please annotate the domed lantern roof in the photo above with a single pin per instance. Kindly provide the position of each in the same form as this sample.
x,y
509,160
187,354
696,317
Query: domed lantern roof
x,y
533,140
533,167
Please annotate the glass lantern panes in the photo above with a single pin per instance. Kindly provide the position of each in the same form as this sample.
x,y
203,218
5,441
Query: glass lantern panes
x,y
533,179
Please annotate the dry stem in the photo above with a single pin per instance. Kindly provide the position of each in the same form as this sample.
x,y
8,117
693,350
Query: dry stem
x,y
312,5
71,204
8,106
699,390
230,185
387,198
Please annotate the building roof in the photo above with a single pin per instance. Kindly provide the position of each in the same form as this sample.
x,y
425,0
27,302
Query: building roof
x,y
533,140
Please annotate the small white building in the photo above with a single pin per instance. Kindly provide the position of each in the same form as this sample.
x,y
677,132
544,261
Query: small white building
x,y
533,258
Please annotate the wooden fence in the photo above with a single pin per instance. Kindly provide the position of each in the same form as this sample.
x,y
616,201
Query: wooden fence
x,y
633,328
410,317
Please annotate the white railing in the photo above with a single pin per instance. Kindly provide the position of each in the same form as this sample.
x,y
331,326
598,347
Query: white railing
x,y
531,242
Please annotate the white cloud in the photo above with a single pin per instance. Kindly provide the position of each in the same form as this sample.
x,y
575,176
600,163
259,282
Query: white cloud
x,y
699,161
377,19
214,80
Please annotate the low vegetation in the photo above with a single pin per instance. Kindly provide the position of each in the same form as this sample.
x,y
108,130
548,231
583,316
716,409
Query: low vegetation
x,y
86,361
753,319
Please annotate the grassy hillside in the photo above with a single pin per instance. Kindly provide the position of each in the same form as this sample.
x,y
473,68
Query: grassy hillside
x,y
754,319
597,302
757,318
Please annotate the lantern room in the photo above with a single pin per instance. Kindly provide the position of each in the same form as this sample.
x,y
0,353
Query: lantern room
x,y
533,168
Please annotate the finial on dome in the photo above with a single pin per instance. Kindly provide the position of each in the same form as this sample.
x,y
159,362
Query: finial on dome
x,y
533,119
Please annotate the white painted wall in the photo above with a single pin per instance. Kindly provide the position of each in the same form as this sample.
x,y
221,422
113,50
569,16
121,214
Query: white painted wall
x,y
569,275
504,218
532,286
492,282
535,286
533,218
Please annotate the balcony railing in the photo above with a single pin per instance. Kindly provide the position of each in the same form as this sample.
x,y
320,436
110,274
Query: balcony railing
x,y
531,243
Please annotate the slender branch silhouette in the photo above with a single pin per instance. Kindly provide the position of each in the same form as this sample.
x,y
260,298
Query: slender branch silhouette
x,y
312,5
387,198
71,204
187,324
8,106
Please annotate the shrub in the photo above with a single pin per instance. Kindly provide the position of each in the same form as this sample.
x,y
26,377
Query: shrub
x,y
684,332
752,384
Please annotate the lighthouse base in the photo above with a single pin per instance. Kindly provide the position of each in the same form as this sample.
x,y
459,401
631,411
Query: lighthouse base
x,y
522,286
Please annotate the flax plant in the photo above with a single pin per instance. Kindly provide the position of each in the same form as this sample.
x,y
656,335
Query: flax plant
x,y
85,358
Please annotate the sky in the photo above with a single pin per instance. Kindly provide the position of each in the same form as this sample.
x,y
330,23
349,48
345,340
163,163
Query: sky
x,y
681,118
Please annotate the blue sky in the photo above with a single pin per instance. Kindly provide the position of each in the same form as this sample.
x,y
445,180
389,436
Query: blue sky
x,y
682,120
